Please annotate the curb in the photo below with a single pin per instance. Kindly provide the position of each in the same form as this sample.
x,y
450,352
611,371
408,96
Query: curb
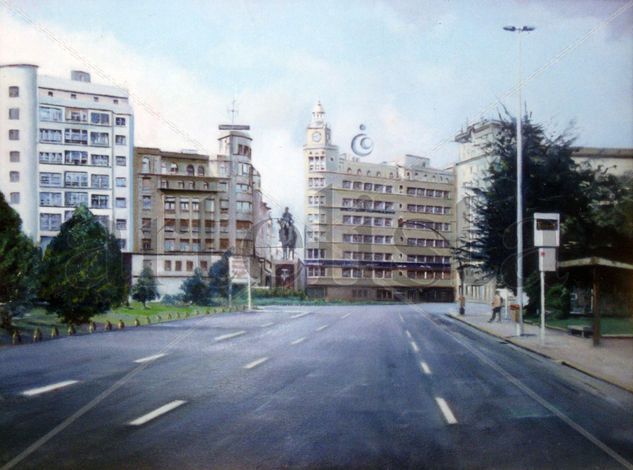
x,y
547,356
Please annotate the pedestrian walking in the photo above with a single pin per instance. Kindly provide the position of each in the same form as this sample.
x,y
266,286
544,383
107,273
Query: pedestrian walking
x,y
496,307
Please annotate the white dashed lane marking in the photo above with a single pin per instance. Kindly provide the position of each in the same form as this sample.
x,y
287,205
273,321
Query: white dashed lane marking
x,y
321,328
266,325
425,368
414,346
255,363
408,334
446,411
297,341
229,335
157,412
149,358
48,388
299,315
345,316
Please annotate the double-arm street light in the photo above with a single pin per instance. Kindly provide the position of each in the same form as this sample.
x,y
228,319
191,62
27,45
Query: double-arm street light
x,y
428,225
519,142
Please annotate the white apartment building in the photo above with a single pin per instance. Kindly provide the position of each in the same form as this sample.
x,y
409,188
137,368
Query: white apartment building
x,y
65,142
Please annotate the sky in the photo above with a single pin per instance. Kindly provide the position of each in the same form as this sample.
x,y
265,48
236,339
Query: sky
x,y
413,72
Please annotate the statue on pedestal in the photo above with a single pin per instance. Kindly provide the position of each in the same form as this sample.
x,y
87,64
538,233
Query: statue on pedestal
x,y
287,235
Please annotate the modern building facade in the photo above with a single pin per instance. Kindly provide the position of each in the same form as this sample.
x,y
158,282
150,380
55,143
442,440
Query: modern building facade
x,y
355,247
64,143
191,208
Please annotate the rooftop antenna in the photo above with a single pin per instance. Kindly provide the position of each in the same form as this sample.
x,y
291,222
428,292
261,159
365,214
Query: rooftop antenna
x,y
233,110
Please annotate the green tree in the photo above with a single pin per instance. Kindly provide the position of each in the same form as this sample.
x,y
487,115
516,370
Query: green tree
x,y
145,288
19,262
195,290
553,182
219,281
82,270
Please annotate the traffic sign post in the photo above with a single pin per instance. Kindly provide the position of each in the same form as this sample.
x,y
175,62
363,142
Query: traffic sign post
x,y
547,239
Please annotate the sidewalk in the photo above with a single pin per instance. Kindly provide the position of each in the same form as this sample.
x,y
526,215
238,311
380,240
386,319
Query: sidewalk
x,y
612,361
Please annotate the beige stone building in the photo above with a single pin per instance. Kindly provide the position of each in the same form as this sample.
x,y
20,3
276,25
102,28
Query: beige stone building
x,y
191,208
355,248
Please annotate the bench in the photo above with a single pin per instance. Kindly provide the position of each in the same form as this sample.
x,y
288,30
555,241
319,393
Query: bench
x,y
582,330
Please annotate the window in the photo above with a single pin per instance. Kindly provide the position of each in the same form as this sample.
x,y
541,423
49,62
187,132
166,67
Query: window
x,y
120,140
50,114
195,244
100,160
50,93
50,157
178,265
50,199
76,136
204,265
76,179
14,156
76,157
99,201
121,182
147,202
50,221
173,169
101,119
119,121
95,99
184,245
147,243
244,206
51,179
170,204
122,243
14,198
189,265
100,138
14,91
121,224
100,181
209,205
200,170
189,170
167,265
14,113
184,205
73,199
14,134
14,176
195,205
115,101
316,271
121,161
51,135
121,203
76,115
170,245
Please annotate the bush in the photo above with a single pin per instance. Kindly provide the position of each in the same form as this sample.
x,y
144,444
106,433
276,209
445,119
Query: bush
x,y
557,299
172,299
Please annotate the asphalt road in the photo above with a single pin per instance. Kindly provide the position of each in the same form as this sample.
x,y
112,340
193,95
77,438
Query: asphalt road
x,y
305,387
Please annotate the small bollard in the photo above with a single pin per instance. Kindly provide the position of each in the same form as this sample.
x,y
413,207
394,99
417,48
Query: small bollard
x,y
149,320
187,314
54,332
107,326
136,322
169,316
92,327
15,337
158,318
71,330
120,325
177,314
207,312
37,335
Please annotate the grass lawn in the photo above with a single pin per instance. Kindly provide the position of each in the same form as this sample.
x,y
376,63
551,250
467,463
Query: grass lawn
x,y
608,325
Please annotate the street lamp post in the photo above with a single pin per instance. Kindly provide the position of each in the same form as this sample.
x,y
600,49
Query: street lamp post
x,y
519,141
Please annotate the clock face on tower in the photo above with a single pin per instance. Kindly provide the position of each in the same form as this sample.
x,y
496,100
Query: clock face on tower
x,y
316,136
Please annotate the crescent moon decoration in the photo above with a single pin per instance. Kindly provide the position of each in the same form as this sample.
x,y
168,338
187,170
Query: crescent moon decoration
x,y
362,145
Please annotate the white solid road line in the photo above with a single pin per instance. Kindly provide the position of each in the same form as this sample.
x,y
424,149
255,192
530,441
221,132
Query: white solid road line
x,y
425,368
157,412
345,316
265,325
297,341
48,388
149,358
446,411
414,346
229,335
255,363
401,319
408,334
321,328
299,315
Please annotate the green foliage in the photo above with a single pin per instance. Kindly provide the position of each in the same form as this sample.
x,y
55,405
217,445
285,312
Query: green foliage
x,y
219,281
169,299
19,264
558,300
195,290
82,271
596,209
278,292
145,288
